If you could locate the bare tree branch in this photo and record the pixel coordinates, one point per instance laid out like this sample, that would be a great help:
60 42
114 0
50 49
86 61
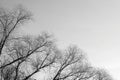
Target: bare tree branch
10 22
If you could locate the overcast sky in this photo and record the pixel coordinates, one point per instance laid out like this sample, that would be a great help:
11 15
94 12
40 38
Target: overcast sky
94 25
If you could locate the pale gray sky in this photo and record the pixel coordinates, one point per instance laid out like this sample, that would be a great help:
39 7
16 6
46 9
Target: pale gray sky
94 25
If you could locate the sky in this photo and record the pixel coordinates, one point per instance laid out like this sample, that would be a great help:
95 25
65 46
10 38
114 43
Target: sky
93 25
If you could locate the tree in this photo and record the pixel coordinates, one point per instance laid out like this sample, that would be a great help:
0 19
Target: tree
9 21
72 65
23 57
35 54
101 74
18 53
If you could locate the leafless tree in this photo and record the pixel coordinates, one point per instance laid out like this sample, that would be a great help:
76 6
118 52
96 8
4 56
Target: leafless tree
22 57
102 74
71 65
26 56
9 21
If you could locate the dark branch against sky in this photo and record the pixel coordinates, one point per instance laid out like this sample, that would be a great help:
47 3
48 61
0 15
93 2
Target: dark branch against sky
91 24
